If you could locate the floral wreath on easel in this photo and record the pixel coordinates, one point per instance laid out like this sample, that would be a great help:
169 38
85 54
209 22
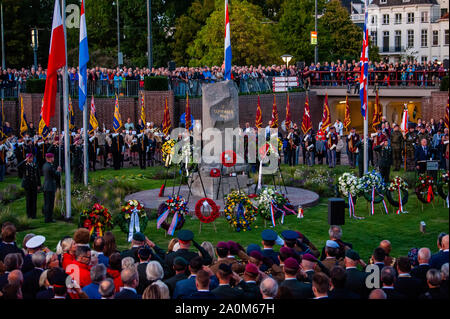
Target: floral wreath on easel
245 213
175 206
424 187
399 187
205 202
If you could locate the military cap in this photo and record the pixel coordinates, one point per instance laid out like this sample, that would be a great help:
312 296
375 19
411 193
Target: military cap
353 255
309 257
289 235
49 155
252 269
287 251
257 255
269 234
291 263
226 268
185 235
138 236
144 253
35 241
223 245
233 245
180 261
29 155
253 247
332 244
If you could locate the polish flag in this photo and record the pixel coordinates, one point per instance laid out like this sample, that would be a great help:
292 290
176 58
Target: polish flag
56 60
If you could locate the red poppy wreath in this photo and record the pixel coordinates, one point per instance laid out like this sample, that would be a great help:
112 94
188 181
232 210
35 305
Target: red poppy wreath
214 210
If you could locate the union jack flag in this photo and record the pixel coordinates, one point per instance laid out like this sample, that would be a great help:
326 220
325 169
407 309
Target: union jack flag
364 64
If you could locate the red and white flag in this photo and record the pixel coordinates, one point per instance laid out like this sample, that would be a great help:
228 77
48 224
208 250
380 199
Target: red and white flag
56 60
404 124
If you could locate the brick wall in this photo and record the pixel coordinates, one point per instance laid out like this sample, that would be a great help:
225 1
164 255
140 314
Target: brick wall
434 106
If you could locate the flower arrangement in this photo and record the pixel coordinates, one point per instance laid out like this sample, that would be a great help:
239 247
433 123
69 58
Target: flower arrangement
372 180
245 214
205 202
124 217
396 183
399 187
168 151
349 184
97 220
442 186
268 196
176 207
424 188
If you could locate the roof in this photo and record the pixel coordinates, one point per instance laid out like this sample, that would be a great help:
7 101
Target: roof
394 3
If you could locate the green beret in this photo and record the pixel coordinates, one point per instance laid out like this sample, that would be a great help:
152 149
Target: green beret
138 236
185 235
353 255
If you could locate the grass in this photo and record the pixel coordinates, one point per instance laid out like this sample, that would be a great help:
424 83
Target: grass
402 230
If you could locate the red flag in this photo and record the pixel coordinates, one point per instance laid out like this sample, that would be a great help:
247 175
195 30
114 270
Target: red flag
166 122
306 121
274 114
258 121
347 118
377 113
56 60
446 115
287 122
188 113
326 117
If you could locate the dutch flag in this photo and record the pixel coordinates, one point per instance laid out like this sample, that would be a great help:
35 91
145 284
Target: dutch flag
227 73
83 60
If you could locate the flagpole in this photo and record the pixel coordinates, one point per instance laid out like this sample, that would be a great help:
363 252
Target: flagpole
85 144
66 121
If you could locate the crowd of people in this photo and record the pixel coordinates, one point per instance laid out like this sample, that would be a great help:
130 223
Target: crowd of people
285 266
342 73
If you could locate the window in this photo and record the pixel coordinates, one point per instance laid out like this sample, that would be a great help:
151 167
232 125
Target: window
410 17
385 18
446 37
398 18
383 1
424 16
424 38
435 38
398 40
424 59
386 41
374 37
373 19
410 38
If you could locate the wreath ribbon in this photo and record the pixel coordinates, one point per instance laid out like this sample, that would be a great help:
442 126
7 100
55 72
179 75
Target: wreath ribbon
283 213
400 205
162 218
385 207
272 213
430 194
240 212
173 225
134 224
351 207
373 202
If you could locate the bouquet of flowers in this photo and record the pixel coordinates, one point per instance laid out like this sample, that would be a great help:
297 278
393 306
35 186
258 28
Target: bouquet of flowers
263 201
396 183
125 217
349 184
372 180
97 220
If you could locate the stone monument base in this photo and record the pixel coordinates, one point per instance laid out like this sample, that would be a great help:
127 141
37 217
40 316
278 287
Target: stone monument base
211 184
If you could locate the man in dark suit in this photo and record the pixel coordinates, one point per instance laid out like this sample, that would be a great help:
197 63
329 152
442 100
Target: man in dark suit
440 258
186 287
378 257
48 293
249 285
137 243
144 257
185 238
388 277
320 285
51 175
338 281
269 237
299 290
406 284
225 291
31 182
422 153
130 279
179 266
30 285
356 279
202 284
8 244
420 271
11 262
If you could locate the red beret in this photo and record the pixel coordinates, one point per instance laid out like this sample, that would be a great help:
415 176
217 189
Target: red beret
291 263
251 268
309 257
257 255
287 251
222 244
49 155
233 245
29 155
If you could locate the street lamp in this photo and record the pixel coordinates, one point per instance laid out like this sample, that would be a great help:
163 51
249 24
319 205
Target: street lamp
119 54
286 58
35 44
149 35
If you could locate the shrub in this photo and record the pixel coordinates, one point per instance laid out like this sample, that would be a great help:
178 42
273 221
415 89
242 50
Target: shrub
21 222
11 193
35 86
156 83
444 83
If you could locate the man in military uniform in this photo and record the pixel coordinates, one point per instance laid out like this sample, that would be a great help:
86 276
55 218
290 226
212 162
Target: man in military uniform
93 150
102 154
309 146
332 140
31 182
3 150
77 161
20 151
423 134
142 143
117 146
378 140
51 175
385 160
352 140
397 144
411 143
269 237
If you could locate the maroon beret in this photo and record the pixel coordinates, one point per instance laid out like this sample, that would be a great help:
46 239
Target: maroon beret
29 155
222 244
287 251
257 255
309 257
252 269
291 263
49 155
233 245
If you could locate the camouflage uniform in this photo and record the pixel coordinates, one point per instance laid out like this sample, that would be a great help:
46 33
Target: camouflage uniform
410 140
397 149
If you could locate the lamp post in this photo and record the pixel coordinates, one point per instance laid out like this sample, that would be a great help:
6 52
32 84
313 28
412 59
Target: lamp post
119 54
149 35
35 45
286 58
3 40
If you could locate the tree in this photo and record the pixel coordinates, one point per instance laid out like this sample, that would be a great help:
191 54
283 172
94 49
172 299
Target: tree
338 36
252 41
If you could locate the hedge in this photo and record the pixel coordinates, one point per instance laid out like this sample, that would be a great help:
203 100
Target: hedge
35 86
444 83
156 83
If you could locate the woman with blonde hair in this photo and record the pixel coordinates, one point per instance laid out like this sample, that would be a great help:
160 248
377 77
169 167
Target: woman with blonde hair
208 246
173 245
157 290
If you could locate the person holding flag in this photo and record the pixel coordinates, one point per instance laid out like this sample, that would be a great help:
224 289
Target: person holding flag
288 122
23 119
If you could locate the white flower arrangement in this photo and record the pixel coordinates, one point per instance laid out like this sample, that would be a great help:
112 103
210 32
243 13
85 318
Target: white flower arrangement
349 184
396 182
372 180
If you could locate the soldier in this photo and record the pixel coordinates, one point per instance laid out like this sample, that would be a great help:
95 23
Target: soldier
397 144
101 139
51 176
77 160
332 140
352 140
378 139
309 145
93 150
117 146
3 150
31 182
385 159
20 151
410 140
142 143
423 134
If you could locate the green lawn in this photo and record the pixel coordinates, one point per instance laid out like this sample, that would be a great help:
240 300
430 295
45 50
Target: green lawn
402 230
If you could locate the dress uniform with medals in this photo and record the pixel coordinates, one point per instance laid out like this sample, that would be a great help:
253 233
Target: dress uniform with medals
385 160
397 144
30 182
410 140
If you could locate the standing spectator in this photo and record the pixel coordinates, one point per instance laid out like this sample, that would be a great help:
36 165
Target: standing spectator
106 289
440 258
268 288
406 284
98 274
388 278
434 286
130 281
420 271
320 285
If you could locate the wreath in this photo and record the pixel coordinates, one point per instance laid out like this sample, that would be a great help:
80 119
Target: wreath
168 151
177 207
97 220
348 184
397 185
424 188
205 202
443 185
280 202
215 172
228 158
371 183
125 216
245 214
